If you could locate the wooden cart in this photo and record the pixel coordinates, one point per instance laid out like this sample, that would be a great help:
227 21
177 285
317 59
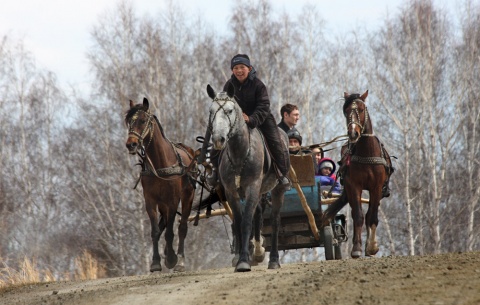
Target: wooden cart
299 223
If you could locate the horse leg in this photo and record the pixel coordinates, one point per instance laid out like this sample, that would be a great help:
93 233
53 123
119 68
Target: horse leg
187 200
170 256
371 223
252 199
277 202
357 216
155 234
257 241
236 245
234 202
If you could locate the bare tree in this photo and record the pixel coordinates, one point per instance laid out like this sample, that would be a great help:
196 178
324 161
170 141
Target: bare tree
465 79
411 64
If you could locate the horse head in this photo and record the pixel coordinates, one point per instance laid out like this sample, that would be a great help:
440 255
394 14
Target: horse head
139 121
224 116
356 113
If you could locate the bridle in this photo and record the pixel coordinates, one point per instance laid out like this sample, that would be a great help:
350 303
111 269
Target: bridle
221 107
232 125
354 117
147 130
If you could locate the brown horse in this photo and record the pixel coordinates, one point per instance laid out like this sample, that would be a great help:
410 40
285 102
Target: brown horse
365 165
166 177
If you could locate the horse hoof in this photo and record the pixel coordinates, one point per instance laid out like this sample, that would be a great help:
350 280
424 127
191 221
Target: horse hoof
171 262
259 258
179 268
243 267
273 265
356 254
155 267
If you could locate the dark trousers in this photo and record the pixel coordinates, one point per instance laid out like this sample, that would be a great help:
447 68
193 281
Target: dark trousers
275 145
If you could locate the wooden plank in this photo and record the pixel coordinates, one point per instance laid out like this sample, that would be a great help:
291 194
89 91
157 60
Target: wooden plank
304 168
217 212
335 196
303 200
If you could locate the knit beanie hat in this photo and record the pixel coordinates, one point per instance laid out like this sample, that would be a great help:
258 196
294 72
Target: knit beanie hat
327 163
294 134
240 59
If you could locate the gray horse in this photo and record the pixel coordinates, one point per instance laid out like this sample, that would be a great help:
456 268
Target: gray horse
246 172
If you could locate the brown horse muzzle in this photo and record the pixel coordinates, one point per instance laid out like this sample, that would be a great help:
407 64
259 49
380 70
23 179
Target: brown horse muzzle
132 145
354 134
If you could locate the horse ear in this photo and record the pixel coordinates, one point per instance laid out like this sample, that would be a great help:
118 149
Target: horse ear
345 95
211 92
364 96
132 104
230 89
145 103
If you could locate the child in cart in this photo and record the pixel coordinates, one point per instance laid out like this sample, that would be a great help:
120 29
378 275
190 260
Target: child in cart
326 174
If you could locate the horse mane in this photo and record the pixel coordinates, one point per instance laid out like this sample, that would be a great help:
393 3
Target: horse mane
130 112
350 100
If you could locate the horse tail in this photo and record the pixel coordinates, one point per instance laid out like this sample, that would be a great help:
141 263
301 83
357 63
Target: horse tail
334 208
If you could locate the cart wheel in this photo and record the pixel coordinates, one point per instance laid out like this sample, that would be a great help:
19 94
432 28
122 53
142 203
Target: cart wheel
338 252
328 243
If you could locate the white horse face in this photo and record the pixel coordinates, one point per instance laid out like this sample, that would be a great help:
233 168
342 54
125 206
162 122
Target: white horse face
223 118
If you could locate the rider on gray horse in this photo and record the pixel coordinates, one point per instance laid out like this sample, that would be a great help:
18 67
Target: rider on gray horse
252 97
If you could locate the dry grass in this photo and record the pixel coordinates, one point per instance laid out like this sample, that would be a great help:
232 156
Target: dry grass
87 267
28 272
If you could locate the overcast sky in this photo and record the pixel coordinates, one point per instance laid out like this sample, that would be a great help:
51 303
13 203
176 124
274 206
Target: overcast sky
57 31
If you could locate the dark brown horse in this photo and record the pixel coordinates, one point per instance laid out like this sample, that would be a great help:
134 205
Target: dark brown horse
365 165
166 177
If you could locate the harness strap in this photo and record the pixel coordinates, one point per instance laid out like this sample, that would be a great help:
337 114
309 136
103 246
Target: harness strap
369 160
178 168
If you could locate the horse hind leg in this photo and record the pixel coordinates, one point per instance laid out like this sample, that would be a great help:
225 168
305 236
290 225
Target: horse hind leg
371 246
258 251
371 223
187 201
277 203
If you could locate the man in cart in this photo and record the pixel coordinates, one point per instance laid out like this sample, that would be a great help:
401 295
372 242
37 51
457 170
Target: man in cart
290 116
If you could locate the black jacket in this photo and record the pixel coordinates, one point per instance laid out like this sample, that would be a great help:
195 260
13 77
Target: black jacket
252 97
284 126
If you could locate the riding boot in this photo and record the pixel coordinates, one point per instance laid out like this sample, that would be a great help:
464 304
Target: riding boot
277 149
283 179
281 160
386 189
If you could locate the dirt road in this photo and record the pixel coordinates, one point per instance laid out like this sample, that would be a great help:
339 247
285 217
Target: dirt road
440 279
